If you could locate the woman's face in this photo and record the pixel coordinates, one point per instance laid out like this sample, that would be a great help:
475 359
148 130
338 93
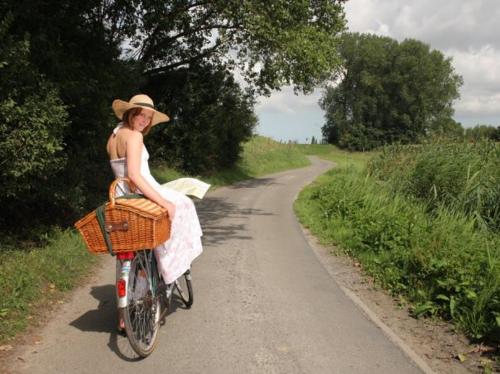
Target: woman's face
142 120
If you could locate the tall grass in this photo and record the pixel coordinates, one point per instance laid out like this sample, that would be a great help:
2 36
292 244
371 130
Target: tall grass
29 278
420 221
461 177
441 263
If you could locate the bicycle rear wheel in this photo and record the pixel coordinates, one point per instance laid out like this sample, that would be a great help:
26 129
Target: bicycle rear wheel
142 313
184 288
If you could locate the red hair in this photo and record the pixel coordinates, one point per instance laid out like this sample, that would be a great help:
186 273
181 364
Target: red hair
129 115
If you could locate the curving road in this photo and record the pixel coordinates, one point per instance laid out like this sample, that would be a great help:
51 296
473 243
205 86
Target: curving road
263 303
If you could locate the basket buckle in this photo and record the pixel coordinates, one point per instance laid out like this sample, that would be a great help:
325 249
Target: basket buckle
117 226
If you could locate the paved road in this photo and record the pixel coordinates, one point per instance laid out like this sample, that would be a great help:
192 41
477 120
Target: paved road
263 303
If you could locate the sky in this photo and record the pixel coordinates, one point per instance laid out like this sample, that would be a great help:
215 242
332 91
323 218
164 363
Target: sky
468 31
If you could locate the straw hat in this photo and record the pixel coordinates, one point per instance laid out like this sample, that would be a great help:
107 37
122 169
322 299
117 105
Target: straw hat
139 101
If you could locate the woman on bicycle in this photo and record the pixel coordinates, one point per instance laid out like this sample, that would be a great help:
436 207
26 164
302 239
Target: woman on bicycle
129 158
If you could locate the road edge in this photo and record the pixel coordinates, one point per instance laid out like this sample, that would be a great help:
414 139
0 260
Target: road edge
321 252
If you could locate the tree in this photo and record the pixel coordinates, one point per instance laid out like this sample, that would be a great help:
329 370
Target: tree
32 122
272 43
181 52
447 128
482 132
388 92
71 74
211 115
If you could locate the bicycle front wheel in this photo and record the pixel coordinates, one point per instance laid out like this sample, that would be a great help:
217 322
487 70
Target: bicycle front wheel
142 313
184 288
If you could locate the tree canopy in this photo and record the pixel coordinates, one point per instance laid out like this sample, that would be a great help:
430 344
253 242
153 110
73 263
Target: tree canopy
211 114
271 43
63 62
388 92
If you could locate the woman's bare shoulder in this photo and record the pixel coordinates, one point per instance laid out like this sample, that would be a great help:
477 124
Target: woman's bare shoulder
128 134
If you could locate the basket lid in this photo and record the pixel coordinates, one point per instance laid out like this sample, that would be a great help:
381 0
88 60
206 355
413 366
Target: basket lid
141 206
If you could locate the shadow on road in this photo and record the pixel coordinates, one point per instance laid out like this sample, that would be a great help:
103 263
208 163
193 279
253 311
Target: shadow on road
213 213
252 183
104 319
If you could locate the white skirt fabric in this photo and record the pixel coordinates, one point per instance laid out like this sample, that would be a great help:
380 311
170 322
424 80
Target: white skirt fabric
175 255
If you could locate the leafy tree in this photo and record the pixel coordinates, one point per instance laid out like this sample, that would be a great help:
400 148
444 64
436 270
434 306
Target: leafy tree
32 122
80 55
56 91
481 132
388 92
447 127
272 43
211 115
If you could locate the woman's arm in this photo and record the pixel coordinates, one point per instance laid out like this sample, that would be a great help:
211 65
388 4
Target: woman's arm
134 150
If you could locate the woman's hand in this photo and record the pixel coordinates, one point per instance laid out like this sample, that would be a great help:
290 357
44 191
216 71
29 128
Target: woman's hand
170 208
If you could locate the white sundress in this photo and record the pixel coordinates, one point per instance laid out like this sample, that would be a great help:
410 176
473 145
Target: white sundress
175 255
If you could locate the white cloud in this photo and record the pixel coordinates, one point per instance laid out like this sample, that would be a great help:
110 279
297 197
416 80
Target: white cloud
285 101
479 106
480 69
443 24
467 31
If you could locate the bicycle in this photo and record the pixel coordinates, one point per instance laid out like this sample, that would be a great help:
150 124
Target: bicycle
144 298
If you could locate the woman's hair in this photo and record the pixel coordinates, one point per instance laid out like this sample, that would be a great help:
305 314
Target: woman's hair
129 115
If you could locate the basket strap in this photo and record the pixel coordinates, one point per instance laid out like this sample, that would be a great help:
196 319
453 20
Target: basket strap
101 218
131 196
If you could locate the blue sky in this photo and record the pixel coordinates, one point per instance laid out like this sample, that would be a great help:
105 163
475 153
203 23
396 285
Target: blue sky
465 30
286 116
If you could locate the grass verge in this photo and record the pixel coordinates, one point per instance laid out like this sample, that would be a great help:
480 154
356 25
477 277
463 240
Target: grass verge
439 261
343 159
261 156
29 278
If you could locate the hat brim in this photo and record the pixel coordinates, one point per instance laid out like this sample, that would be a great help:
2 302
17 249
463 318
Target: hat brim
120 107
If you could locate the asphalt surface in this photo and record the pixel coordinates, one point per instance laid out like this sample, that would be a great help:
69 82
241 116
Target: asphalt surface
263 303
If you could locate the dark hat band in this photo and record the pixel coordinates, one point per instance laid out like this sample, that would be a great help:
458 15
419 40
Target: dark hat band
145 104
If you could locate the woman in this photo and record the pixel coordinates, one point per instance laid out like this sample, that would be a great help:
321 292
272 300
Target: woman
129 158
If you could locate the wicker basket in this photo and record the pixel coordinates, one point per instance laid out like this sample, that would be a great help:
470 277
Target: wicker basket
131 223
